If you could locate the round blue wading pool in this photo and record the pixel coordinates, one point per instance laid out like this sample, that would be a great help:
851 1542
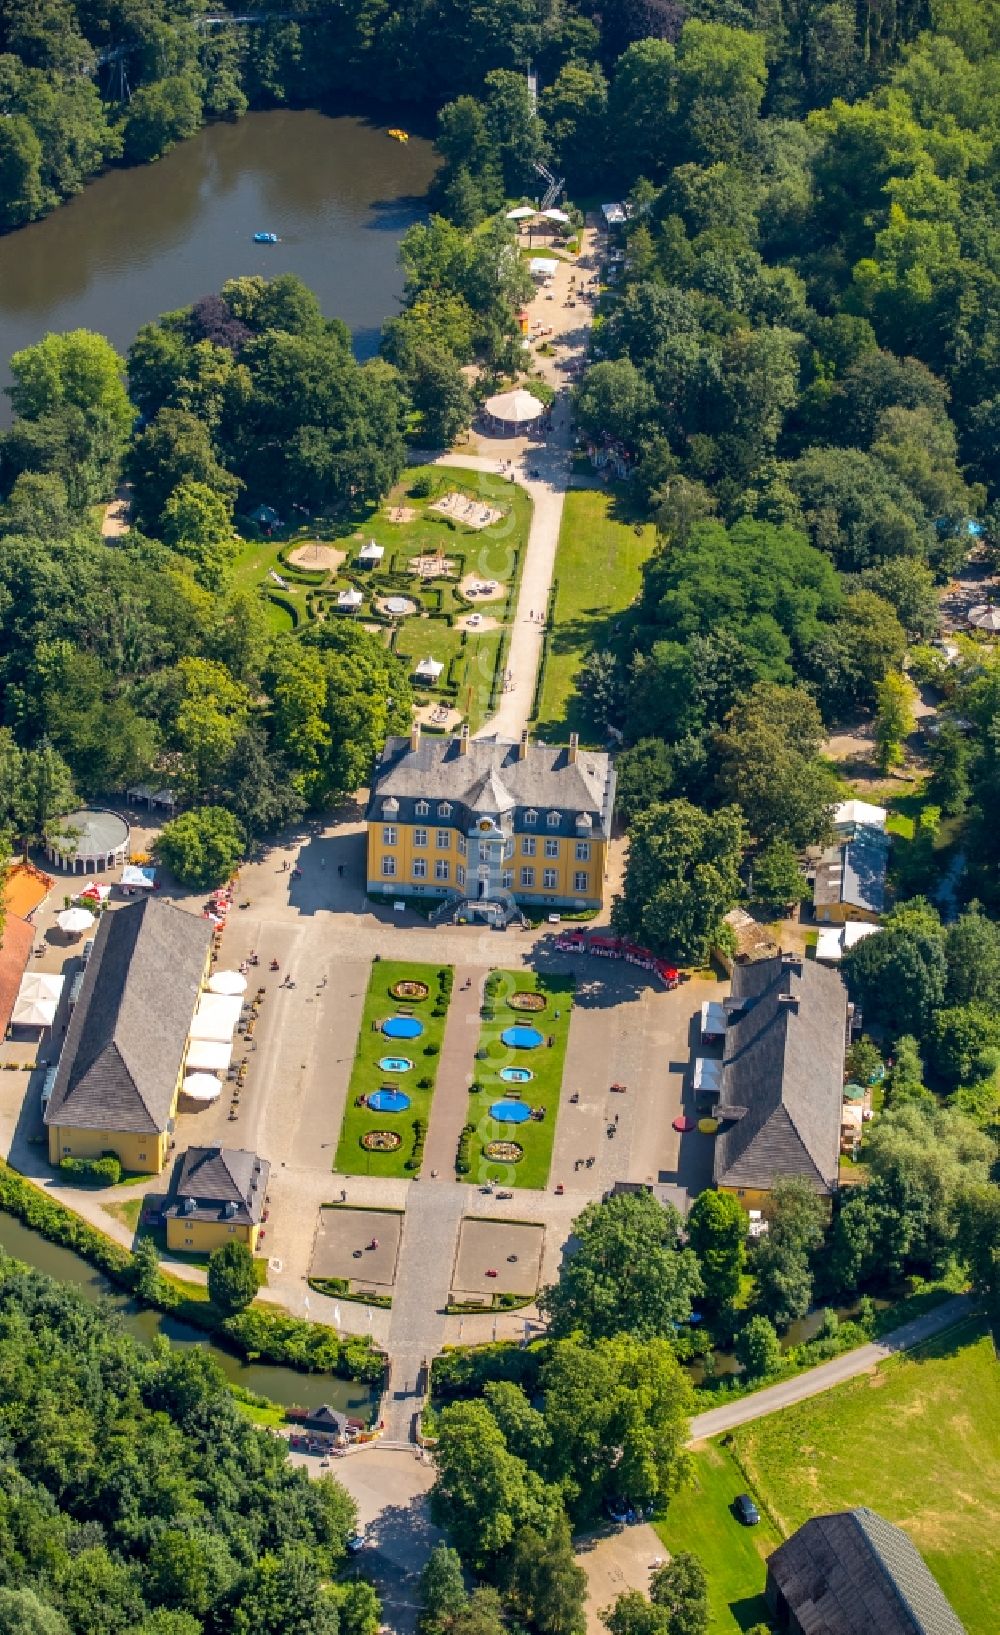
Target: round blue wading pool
388 1101
516 1075
510 1112
395 1064
402 1027
521 1037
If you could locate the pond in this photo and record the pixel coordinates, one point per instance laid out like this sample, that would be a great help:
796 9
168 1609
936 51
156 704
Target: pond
137 242
283 1385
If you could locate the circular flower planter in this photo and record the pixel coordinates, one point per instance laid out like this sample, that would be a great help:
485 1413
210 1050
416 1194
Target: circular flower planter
408 989
381 1141
511 1152
526 1001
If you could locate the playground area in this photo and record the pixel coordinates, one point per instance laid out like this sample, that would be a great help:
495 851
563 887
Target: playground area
470 512
357 1246
497 1257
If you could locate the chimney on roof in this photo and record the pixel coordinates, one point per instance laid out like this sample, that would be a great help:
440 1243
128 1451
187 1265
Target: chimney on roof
574 746
522 748
789 999
463 739
415 736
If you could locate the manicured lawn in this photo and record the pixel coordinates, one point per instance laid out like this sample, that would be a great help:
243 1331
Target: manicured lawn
919 1441
366 1076
545 1063
599 574
699 1519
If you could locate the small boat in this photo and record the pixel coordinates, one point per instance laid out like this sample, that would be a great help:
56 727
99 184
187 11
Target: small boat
266 238
398 135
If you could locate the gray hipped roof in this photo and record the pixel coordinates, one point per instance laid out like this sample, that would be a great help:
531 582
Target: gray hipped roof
854 871
784 1062
126 1039
854 1573
219 1183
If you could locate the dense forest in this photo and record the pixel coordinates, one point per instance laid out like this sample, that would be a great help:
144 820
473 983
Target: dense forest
137 1500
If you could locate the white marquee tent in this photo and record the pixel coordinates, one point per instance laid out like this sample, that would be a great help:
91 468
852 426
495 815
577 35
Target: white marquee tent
209 1055
37 1000
216 1016
511 410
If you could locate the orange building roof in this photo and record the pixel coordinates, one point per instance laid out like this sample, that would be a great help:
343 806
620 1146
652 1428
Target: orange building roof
15 948
25 888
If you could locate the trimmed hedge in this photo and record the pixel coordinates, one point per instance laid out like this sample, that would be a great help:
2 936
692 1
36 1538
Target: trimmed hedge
19 1198
102 1172
462 1371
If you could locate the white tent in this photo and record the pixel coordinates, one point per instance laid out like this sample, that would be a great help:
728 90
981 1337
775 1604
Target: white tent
614 215
209 1055
37 1000
216 1017
227 982
202 1087
713 1019
371 553
985 617
707 1075
518 408
522 213
851 812
75 921
543 266
428 669
555 215
350 598
829 945
135 878
95 890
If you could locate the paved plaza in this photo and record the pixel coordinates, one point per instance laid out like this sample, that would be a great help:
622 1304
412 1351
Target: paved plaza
512 1250
361 1245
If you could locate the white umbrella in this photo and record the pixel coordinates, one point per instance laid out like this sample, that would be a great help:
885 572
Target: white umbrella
75 920
231 982
985 617
522 213
555 215
202 1086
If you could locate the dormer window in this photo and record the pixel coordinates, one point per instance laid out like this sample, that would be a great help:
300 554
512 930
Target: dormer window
444 809
530 818
421 808
553 820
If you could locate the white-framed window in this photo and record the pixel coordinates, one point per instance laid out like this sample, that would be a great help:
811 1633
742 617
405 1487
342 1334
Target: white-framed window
442 869
484 852
388 834
507 879
527 877
528 844
188 1242
553 820
420 868
230 1230
581 880
552 848
530 817
460 875
463 845
444 808
443 840
583 851
420 837
508 849
421 809
550 879
388 866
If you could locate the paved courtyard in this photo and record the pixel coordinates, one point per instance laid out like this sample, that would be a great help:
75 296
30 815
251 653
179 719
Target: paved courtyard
511 1249
344 1246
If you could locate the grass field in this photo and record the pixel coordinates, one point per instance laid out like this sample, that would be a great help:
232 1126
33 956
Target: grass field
546 1064
699 1519
919 1441
599 573
351 1158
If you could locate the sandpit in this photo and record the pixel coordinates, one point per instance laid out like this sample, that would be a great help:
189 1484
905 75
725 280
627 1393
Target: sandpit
402 513
470 513
314 555
477 623
476 589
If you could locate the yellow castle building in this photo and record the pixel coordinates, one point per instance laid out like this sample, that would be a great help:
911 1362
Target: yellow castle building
492 825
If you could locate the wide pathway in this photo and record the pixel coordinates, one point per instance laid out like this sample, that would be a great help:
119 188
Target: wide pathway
450 1106
423 1282
846 1367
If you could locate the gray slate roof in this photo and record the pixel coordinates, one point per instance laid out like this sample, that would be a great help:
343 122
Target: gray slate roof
854 871
784 1062
127 1035
854 1573
490 778
219 1183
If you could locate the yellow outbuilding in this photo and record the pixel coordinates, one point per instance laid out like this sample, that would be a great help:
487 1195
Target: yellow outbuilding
217 1195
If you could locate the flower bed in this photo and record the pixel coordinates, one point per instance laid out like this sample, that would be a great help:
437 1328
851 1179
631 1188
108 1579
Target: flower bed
527 1001
408 989
381 1140
507 1152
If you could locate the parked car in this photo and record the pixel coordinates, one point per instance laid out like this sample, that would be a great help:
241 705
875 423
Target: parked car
356 1542
617 1509
746 1511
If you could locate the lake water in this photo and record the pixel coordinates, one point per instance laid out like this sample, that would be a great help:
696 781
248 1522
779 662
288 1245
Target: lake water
285 1385
338 192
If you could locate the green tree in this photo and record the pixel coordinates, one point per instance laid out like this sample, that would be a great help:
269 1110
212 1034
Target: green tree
22 1613
778 880
796 1219
949 757
615 400
175 448
680 1587
632 1614
198 523
284 1595
232 1278
769 765
717 1232
979 1240
159 116
681 878
442 1590
758 1348
894 720
21 192
483 1494
544 1583
899 976
628 1272
209 717
202 847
